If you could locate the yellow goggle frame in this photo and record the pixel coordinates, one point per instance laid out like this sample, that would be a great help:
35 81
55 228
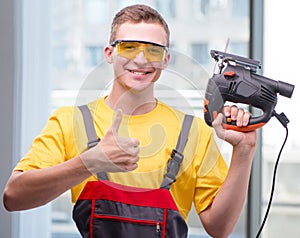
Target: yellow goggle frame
130 49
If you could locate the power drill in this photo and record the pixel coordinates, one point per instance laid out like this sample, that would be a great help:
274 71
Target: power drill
238 82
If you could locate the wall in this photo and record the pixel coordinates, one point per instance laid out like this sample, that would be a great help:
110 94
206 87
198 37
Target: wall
9 87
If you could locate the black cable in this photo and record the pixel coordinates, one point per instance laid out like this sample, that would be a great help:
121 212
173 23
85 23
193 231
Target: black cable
284 121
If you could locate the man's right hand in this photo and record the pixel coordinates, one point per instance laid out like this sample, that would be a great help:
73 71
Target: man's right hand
113 153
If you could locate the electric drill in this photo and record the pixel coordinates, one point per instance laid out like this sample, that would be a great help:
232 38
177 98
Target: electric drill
238 82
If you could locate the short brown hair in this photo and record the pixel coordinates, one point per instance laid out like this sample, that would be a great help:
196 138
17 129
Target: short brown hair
136 14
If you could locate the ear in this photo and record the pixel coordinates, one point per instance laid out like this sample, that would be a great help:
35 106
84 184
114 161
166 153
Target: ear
166 60
108 53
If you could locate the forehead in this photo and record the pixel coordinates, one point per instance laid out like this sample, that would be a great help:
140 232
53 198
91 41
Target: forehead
142 31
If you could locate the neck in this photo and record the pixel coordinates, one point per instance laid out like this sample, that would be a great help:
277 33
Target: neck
132 102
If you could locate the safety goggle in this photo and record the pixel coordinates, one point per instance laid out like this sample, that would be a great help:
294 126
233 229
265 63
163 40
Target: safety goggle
130 49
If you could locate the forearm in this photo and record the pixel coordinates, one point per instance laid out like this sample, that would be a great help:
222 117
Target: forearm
221 217
34 188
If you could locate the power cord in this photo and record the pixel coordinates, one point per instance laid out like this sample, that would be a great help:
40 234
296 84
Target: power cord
284 121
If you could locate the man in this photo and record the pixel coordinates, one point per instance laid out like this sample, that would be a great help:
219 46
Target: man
137 134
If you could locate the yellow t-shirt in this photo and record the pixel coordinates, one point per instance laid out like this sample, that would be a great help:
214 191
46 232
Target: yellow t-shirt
201 174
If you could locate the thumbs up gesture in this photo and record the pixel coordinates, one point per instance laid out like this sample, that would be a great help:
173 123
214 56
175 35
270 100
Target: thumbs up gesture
113 153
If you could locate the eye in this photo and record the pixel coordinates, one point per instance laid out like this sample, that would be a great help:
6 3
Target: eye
155 50
129 46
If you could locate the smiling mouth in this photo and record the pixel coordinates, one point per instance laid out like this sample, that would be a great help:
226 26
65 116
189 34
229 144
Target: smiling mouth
139 72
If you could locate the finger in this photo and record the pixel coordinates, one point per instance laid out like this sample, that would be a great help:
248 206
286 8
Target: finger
234 112
133 142
226 111
133 150
129 145
128 142
117 122
130 167
131 163
240 117
246 118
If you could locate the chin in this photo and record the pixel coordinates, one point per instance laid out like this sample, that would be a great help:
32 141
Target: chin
139 87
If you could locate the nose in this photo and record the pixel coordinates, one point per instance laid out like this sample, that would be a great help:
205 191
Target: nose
140 58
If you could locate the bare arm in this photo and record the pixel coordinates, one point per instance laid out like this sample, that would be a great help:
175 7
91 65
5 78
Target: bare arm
34 188
221 217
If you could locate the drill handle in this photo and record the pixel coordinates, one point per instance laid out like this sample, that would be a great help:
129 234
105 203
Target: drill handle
229 124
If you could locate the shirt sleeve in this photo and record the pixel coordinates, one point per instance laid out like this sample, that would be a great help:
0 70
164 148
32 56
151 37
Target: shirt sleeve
48 148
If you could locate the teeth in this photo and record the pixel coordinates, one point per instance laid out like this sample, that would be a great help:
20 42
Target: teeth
138 73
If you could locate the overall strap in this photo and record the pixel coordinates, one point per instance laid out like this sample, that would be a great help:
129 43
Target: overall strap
91 133
177 154
89 126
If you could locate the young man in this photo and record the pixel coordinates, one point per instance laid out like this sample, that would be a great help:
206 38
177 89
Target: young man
137 135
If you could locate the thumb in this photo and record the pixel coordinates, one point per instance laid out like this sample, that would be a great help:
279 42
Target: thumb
217 125
117 122
218 120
